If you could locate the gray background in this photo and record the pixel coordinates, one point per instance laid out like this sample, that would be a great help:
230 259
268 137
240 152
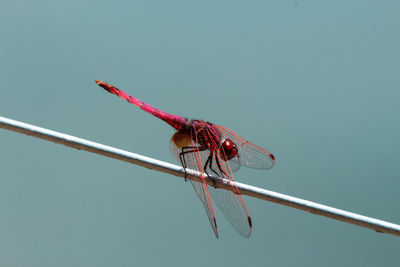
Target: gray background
315 82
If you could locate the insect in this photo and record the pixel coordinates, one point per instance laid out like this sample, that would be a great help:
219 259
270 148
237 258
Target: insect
212 149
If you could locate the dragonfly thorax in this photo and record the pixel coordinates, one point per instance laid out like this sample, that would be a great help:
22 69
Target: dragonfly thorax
207 135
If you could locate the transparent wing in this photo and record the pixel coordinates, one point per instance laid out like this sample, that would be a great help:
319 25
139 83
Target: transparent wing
250 155
230 203
195 159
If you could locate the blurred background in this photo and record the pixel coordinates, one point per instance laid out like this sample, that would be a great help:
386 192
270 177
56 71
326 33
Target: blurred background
315 83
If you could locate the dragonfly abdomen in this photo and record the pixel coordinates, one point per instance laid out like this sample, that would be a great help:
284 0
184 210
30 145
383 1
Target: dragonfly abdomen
175 121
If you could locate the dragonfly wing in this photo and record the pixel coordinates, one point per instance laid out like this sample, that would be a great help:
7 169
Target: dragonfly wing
230 203
235 211
249 155
195 160
235 163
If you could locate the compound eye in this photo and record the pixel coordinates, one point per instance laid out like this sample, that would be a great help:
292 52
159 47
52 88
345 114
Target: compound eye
230 149
228 144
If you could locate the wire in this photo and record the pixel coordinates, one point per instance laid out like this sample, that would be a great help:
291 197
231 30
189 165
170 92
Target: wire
150 163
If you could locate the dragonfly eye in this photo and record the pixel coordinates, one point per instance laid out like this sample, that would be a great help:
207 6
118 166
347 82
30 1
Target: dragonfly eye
230 149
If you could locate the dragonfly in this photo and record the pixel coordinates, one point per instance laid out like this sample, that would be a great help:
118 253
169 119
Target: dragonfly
212 149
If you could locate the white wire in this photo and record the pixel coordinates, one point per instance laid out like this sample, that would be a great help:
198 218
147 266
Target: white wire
150 163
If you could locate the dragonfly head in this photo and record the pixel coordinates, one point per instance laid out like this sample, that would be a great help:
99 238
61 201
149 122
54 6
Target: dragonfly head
230 149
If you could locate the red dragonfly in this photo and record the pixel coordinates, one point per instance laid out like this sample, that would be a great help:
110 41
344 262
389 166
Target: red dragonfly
212 149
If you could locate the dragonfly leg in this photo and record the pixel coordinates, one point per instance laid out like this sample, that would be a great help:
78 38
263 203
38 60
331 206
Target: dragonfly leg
209 162
210 159
219 167
186 150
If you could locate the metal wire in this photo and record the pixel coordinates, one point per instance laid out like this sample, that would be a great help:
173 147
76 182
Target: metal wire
150 163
